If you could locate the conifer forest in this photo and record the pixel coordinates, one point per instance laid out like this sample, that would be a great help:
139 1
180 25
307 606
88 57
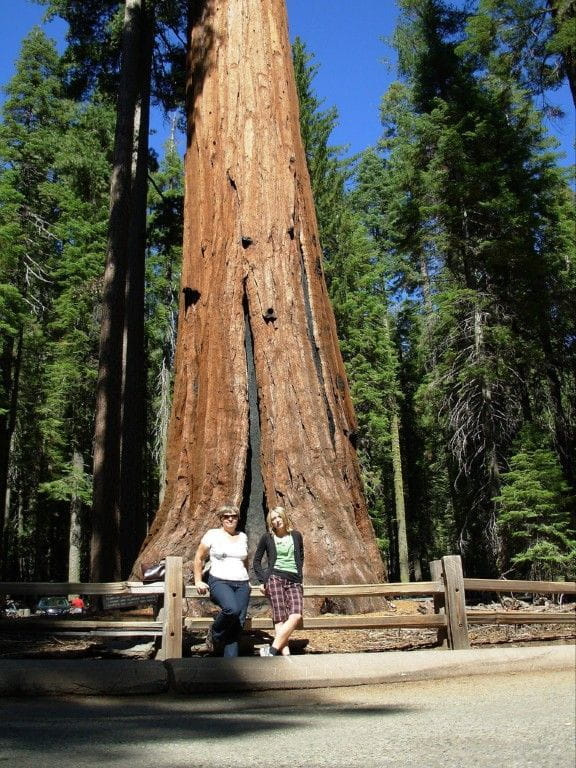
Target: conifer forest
384 343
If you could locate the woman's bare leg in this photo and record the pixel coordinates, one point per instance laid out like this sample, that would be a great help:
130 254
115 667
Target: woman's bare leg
277 630
283 634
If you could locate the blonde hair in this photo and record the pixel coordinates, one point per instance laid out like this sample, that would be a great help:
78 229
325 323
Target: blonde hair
282 512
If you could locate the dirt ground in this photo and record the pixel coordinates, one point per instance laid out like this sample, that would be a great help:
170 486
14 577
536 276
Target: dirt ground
18 644
372 640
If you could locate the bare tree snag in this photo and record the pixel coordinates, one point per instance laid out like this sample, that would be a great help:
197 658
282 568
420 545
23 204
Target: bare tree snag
254 299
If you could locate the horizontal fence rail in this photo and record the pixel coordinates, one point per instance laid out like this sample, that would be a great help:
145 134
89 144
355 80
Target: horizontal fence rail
520 617
81 588
430 621
352 590
517 585
448 589
71 626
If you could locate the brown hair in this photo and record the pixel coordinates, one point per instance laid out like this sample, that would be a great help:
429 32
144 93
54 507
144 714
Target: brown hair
227 509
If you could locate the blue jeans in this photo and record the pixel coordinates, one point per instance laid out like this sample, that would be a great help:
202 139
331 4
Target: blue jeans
232 597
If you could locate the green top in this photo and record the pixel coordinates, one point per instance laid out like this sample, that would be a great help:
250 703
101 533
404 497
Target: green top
285 560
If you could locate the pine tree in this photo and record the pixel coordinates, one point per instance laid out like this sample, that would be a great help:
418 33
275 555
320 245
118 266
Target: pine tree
33 116
81 195
375 196
533 512
356 284
118 526
471 198
535 39
55 159
118 523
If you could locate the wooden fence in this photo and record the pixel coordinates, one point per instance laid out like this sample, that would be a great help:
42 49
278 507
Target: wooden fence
448 589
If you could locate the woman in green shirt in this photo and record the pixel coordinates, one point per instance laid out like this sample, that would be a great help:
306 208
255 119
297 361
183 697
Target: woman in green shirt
281 580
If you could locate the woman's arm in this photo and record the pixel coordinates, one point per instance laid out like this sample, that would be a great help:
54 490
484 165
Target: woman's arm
199 558
299 544
257 561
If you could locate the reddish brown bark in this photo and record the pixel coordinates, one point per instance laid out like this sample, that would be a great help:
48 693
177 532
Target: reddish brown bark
251 243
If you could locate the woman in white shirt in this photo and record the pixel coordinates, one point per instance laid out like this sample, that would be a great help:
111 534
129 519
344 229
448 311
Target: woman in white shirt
228 584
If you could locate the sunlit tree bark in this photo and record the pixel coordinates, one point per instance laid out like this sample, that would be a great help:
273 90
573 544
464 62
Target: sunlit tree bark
254 300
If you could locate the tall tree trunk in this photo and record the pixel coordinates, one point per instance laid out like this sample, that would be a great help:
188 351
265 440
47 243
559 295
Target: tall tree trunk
161 439
75 530
403 558
253 268
10 367
119 299
132 517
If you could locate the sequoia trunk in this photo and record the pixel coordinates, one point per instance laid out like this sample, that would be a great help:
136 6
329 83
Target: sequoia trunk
262 414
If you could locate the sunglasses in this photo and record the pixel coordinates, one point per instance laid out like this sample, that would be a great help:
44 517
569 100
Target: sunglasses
229 517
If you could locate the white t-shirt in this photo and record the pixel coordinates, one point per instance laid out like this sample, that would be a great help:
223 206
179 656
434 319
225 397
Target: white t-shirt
227 555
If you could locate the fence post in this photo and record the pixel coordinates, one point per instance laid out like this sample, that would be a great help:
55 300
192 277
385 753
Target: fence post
173 592
455 597
439 600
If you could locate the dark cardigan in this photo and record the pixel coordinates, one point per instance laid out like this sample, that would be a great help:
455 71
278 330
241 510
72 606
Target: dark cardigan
268 545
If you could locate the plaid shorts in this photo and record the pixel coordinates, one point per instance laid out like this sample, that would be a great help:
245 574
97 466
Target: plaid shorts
286 597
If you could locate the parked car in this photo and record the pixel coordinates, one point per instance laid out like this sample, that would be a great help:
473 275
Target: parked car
53 606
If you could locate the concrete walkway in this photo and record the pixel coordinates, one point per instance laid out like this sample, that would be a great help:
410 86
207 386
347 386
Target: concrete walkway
193 676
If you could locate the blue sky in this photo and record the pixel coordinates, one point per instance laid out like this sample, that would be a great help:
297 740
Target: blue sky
355 64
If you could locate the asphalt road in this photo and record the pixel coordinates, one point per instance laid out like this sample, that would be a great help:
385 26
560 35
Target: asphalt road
489 722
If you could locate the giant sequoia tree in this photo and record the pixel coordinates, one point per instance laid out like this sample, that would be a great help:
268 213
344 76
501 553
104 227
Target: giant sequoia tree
261 413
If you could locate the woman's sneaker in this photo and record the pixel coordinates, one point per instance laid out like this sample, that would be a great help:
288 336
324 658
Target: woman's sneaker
265 651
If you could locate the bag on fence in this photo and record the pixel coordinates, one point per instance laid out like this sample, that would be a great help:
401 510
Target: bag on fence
154 572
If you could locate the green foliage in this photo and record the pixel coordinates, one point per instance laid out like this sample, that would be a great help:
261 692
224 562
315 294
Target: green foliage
449 253
534 40
56 143
357 286
92 54
73 484
468 210
80 191
54 191
162 294
533 512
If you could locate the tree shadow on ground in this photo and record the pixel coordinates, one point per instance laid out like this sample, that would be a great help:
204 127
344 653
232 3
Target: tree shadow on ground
105 730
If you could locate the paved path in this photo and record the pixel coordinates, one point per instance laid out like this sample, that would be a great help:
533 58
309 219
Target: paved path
103 677
512 720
